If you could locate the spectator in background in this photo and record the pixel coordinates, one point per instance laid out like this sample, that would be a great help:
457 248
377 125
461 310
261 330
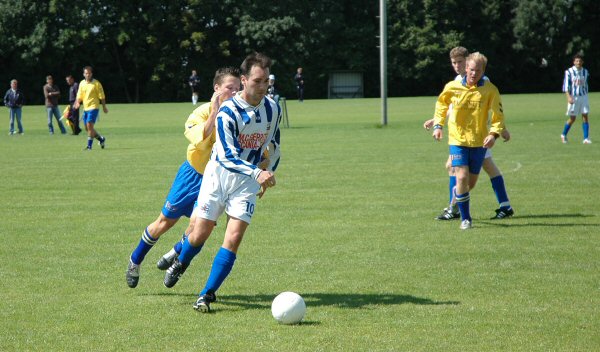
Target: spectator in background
194 82
299 78
14 100
52 93
73 113
271 91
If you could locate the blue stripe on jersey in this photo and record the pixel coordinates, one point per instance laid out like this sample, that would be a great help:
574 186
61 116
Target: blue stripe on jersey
228 152
230 113
268 110
242 113
277 136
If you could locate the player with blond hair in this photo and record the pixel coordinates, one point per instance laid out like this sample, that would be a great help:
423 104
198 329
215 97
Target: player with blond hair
471 99
458 55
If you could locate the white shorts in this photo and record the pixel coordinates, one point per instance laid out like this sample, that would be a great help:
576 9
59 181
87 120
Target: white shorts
225 190
581 105
488 153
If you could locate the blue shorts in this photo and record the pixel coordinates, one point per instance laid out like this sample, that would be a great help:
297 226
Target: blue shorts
468 156
184 192
90 116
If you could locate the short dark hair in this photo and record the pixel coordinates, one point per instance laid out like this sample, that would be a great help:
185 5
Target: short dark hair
89 68
224 72
255 59
459 51
578 56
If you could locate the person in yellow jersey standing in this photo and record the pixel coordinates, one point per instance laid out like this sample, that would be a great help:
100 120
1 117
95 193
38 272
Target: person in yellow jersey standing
472 99
91 95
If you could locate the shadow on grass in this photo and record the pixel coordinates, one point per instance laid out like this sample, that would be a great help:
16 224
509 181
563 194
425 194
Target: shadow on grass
553 216
350 300
331 299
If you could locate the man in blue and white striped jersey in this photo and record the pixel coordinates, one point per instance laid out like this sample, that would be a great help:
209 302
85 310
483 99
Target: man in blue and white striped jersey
247 125
576 88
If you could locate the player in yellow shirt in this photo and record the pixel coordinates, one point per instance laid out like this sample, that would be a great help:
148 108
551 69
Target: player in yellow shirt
91 95
472 99
200 131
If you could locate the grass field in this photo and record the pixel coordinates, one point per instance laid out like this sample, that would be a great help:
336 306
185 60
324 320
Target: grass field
350 227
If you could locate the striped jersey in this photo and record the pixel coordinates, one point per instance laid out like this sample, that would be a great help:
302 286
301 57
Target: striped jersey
244 132
576 81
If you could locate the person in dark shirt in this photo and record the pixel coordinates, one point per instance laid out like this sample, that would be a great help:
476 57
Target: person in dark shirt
52 94
299 78
73 115
194 82
14 100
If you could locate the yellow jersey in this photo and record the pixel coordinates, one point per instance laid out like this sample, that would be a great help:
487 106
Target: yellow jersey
90 93
200 147
468 118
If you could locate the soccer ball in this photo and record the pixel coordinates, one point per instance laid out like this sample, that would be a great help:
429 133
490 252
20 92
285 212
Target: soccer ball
288 308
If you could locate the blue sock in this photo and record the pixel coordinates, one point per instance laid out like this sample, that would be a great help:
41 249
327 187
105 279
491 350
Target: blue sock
90 140
462 200
566 129
188 252
145 245
179 245
500 191
221 267
586 130
451 186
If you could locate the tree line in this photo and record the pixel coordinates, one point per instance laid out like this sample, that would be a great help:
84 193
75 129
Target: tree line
144 50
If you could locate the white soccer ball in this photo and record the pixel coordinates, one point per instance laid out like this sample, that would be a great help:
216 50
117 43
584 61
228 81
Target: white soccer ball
288 308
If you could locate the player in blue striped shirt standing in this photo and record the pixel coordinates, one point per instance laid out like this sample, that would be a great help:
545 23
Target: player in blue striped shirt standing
576 88
246 126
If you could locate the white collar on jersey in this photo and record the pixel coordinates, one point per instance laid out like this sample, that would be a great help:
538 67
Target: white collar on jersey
244 104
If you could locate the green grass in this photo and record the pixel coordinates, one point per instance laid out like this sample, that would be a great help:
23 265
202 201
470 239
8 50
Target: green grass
350 227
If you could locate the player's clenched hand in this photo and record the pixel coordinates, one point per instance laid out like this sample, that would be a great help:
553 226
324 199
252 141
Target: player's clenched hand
266 179
505 135
437 134
428 124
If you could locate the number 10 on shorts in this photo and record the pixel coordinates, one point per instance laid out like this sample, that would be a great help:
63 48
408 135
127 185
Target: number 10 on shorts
250 208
